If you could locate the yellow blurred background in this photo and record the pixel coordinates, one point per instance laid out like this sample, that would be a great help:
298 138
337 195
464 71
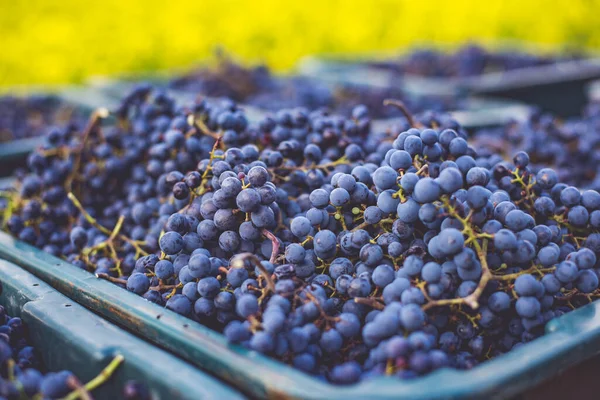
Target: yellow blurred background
68 41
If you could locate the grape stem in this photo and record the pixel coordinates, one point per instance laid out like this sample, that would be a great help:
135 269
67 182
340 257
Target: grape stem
333 164
368 301
112 279
112 234
471 300
239 260
102 377
93 121
402 107
78 388
312 298
275 243
527 188
201 126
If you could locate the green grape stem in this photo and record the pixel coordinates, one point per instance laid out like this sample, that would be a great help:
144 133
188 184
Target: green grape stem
111 234
102 377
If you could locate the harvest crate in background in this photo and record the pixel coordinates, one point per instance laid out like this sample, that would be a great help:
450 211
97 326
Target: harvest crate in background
560 87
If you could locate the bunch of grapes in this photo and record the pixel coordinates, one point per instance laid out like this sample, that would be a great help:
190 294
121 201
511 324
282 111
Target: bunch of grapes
344 251
23 375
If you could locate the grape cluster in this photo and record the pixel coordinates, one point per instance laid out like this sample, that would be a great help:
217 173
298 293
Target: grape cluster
31 116
23 375
344 251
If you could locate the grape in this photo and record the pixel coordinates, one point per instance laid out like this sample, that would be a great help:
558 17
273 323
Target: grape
516 220
450 180
431 272
412 317
346 373
400 159
374 214
499 302
413 265
587 281
319 198
451 240
294 253
180 304
325 244
248 200
339 197
208 287
585 259
258 176
138 283
426 190
570 196
527 285
547 178
578 216
263 217
171 243
383 275
477 197
199 266
385 178
566 272
527 307
409 211
246 305
331 341
409 181
458 147
300 226
359 288
78 237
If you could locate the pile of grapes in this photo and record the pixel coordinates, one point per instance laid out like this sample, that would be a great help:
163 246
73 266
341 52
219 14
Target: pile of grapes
31 116
258 87
467 61
23 375
343 251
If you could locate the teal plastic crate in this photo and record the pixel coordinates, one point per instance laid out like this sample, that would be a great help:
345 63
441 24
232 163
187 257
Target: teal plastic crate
71 337
570 340
561 87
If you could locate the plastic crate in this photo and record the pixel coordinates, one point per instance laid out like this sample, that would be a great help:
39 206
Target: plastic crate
561 87
69 336
570 340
